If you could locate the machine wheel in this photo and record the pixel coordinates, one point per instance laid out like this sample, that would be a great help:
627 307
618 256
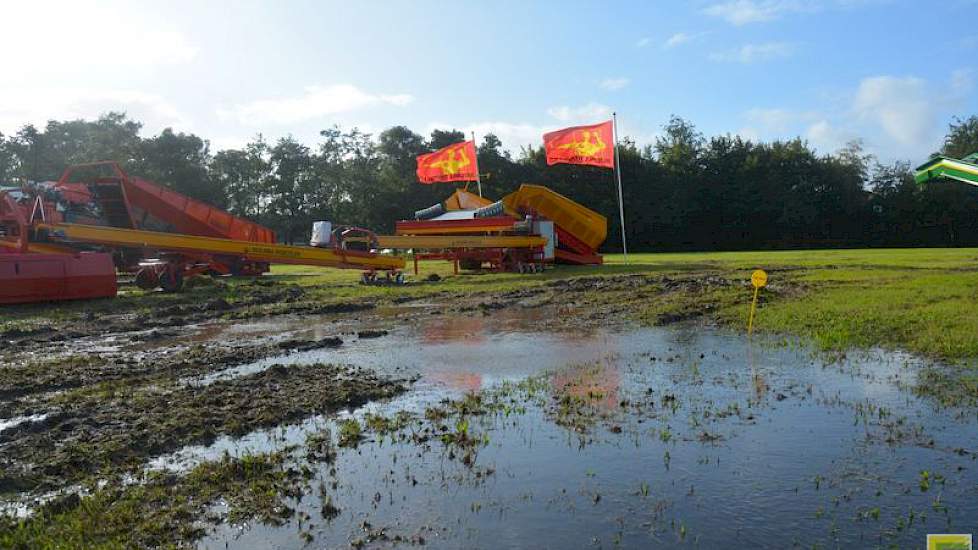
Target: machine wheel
171 280
147 278
469 264
368 278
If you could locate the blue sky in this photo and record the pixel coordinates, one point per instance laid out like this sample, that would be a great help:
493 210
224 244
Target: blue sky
892 73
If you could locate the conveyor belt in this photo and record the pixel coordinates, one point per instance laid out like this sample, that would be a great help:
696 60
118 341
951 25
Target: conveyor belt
259 252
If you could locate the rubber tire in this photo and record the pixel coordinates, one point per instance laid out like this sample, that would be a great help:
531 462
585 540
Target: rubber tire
172 280
147 279
470 265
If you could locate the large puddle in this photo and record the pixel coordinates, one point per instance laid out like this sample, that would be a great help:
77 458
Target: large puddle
704 440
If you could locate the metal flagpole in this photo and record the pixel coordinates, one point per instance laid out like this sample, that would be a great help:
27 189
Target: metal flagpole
478 176
621 206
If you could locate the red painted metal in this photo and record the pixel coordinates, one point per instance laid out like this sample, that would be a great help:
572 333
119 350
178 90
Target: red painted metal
569 241
193 217
476 225
186 215
567 257
42 277
13 223
572 250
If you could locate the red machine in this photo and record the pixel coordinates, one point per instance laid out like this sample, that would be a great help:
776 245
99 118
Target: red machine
65 240
102 194
572 232
32 277
29 273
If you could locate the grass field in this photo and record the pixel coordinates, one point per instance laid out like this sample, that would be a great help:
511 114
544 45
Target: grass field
920 300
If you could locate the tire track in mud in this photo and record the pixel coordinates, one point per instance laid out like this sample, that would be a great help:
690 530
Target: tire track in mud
98 431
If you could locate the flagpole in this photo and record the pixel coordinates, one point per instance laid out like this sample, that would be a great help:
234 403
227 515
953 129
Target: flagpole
478 176
621 206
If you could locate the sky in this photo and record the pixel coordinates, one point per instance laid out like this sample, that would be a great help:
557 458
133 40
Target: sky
891 73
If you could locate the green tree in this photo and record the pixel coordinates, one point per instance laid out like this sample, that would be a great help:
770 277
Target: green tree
180 161
291 187
962 137
242 174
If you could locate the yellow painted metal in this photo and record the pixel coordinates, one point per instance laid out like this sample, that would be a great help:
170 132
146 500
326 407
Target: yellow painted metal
583 223
759 280
38 248
463 200
404 242
259 252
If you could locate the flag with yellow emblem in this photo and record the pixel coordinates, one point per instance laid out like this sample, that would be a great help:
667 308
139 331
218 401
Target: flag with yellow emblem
593 145
457 162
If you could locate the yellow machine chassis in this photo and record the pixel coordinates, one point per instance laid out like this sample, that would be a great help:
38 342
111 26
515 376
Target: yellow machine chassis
259 252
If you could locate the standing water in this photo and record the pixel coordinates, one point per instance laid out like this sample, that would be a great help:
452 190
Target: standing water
680 437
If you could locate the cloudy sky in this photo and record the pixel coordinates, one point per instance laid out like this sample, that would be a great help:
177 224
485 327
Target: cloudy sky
893 73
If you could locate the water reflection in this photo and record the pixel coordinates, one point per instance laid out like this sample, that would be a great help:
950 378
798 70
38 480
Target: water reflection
690 437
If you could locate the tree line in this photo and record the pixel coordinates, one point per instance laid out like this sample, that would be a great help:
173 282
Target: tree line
684 192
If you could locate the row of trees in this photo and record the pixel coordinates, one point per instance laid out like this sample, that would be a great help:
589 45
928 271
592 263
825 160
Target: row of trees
684 192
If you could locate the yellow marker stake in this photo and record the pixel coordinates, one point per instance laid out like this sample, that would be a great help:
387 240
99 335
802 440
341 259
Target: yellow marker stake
759 280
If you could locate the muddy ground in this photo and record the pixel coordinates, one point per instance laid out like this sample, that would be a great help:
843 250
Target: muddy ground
101 393
89 400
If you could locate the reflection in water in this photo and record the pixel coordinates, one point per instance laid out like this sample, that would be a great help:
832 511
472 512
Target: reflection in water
597 384
459 381
685 450
465 329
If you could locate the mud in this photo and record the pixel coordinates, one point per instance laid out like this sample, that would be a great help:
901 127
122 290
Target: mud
208 303
322 420
94 431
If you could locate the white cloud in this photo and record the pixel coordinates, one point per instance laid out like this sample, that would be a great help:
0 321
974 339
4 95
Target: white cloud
584 114
676 40
316 102
827 138
615 83
643 42
515 135
777 121
19 106
898 117
752 53
962 82
85 37
900 106
742 12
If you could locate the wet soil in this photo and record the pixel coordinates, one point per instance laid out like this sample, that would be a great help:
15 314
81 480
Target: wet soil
90 432
499 412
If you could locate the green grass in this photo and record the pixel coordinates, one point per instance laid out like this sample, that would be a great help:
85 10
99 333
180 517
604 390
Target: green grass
921 300
164 511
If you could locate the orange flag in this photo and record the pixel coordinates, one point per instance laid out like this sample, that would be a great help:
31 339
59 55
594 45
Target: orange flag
593 145
457 162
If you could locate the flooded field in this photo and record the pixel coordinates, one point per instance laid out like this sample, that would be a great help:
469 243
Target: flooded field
689 435
514 428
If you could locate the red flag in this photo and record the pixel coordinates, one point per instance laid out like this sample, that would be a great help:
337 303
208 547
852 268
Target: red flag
457 162
593 145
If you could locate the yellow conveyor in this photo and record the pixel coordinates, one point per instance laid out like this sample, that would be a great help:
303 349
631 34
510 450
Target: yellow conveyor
259 252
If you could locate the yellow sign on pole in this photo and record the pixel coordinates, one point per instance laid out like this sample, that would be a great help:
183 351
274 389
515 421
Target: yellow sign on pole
759 280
